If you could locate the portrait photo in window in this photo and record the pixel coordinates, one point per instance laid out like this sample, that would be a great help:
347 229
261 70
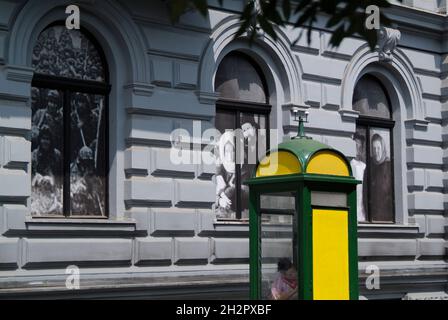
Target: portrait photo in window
373 164
242 118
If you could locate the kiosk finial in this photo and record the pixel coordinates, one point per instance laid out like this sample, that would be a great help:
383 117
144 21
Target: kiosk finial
301 119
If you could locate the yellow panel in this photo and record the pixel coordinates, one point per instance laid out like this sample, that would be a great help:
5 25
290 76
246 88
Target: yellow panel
279 163
327 162
330 255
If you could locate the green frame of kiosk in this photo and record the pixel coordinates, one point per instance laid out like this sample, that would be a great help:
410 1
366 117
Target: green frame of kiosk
303 184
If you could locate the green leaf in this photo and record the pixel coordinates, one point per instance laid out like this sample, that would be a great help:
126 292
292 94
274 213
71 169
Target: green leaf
286 9
267 27
177 8
337 36
201 6
345 17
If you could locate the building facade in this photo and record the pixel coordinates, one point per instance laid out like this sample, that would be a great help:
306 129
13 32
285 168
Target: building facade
121 97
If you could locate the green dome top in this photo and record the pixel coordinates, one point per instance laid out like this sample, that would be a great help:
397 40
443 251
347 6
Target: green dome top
312 157
304 148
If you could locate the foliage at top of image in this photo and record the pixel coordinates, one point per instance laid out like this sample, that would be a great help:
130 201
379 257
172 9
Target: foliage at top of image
345 17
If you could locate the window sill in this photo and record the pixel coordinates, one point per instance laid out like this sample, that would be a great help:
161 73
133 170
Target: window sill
232 225
366 230
81 226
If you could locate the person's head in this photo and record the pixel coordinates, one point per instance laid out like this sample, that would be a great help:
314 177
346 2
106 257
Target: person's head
47 184
360 141
85 158
378 148
35 95
53 100
83 105
45 139
49 46
287 269
37 49
227 151
45 62
248 130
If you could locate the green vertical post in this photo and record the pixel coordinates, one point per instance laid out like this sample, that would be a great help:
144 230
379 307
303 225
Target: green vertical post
254 244
305 244
353 246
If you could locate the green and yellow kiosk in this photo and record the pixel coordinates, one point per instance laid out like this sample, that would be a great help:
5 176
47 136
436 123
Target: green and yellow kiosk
303 208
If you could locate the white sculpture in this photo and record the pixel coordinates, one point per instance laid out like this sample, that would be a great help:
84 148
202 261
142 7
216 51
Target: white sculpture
388 41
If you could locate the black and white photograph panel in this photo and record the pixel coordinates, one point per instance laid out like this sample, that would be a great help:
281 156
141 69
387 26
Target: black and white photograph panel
253 138
87 155
226 178
63 53
237 154
381 177
47 152
359 165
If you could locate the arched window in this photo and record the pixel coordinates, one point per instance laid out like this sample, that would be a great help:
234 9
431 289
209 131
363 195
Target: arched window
374 160
69 125
243 105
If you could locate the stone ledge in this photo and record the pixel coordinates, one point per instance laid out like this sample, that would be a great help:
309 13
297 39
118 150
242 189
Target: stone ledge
376 230
187 287
80 226
394 284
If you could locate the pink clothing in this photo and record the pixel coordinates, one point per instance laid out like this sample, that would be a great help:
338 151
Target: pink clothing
282 286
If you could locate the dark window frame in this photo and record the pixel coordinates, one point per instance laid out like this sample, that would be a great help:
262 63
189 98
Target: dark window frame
68 87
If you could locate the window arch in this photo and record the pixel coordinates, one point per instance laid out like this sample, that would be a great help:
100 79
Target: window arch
374 157
69 125
242 117
239 78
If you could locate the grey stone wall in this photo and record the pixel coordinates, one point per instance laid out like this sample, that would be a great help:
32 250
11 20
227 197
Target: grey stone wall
161 220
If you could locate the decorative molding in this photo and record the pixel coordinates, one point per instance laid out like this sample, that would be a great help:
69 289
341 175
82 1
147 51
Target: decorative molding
417 124
318 78
14 97
336 55
148 203
174 55
366 230
15 200
117 33
169 114
130 142
19 73
349 115
434 97
303 49
430 73
80 226
184 86
388 39
24 133
141 89
399 75
291 106
207 97
163 25
221 42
